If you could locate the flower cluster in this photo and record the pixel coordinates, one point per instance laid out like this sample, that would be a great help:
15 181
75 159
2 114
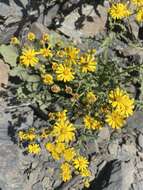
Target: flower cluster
120 11
59 145
67 78
60 63
122 107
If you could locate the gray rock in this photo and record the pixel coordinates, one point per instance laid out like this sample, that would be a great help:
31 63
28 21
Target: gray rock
127 152
52 13
113 148
10 175
136 121
115 175
37 186
7 33
134 26
140 140
104 134
90 25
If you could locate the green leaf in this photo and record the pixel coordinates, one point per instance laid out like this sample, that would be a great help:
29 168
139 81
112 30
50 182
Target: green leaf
33 78
16 71
9 54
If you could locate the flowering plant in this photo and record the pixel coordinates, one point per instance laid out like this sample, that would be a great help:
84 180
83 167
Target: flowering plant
80 92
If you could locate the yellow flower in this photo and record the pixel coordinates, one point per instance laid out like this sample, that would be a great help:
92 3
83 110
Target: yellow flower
31 36
81 163
115 119
34 148
62 115
54 66
139 15
22 135
85 173
91 123
120 100
64 131
51 148
96 125
69 154
86 183
66 172
46 52
72 54
28 57
14 41
104 109
44 134
48 79
61 53
88 120
55 149
88 63
45 37
31 136
91 98
64 73
137 2
119 11
60 147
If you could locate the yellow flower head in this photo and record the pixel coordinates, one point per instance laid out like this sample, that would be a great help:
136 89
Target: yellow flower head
91 123
81 163
85 173
91 98
72 54
52 149
45 37
28 57
48 79
31 136
22 136
66 172
69 154
44 134
64 73
64 131
54 66
46 52
115 119
120 100
137 2
34 148
88 63
61 53
139 16
88 120
62 115
31 36
96 125
60 147
119 11
86 183
14 41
